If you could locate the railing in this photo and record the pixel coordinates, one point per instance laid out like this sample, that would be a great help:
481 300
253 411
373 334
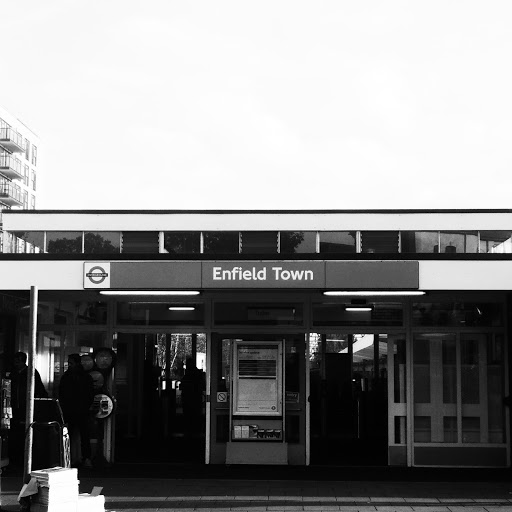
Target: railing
7 189
7 134
8 162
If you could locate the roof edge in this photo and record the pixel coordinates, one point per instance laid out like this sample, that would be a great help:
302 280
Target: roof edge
239 212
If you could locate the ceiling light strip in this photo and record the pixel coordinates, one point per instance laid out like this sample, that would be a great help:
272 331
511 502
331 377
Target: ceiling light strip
367 293
150 292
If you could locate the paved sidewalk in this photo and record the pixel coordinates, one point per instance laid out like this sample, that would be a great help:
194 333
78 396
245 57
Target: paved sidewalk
218 495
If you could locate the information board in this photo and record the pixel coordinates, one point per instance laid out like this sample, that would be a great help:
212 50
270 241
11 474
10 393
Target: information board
257 387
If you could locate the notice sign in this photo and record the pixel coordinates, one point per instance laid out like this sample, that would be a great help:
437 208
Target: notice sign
258 383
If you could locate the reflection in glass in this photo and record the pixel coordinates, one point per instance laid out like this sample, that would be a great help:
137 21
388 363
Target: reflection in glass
259 242
140 242
470 430
470 367
496 388
140 313
382 314
459 242
34 238
102 242
457 314
419 241
63 242
237 313
422 429
182 242
450 429
400 372
221 242
449 370
498 242
337 242
294 242
379 241
421 369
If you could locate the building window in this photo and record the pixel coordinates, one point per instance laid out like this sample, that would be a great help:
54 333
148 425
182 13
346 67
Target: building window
381 314
33 180
34 238
459 398
33 202
457 314
379 242
495 242
419 241
34 155
25 200
101 242
240 313
221 242
27 149
140 242
26 173
182 242
63 242
294 242
338 242
459 242
259 242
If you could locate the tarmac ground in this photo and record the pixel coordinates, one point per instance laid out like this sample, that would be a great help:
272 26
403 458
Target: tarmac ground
130 488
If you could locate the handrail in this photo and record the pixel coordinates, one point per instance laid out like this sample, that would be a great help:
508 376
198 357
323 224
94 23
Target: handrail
6 188
9 134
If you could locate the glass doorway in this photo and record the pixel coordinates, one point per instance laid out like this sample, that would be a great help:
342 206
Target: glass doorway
160 390
348 399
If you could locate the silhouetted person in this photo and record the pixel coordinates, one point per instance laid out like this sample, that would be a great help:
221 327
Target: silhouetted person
76 395
192 386
19 383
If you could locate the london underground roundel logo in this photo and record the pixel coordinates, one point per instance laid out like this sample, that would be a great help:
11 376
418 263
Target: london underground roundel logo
97 274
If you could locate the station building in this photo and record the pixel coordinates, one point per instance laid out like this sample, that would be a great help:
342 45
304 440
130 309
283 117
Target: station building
275 337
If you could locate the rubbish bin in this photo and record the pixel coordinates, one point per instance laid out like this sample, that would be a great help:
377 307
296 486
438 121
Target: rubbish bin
50 445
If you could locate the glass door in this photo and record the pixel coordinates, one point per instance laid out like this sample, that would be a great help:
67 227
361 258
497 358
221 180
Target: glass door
348 399
160 392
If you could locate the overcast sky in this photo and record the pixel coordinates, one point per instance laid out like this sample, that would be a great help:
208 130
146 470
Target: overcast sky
214 104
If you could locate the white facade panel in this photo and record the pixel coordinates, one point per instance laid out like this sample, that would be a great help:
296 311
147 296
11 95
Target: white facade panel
46 275
257 221
465 275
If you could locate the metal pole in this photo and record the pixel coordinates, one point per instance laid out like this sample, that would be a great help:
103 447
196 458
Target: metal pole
29 418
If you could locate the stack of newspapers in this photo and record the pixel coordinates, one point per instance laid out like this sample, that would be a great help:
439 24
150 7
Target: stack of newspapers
57 490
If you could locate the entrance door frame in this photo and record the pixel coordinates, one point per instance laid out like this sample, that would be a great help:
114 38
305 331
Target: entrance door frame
173 330
348 331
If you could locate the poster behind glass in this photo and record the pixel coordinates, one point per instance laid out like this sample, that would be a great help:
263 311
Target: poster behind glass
257 388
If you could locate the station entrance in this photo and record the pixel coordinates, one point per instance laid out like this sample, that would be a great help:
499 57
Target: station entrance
333 399
349 398
160 382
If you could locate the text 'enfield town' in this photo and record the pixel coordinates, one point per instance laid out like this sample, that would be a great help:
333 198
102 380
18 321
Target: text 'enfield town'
253 274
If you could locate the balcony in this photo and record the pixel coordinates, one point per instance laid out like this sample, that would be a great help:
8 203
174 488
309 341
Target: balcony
11 140
10 195
10 167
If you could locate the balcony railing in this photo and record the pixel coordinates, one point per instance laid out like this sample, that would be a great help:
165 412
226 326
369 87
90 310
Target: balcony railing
9 194
11 140
10 167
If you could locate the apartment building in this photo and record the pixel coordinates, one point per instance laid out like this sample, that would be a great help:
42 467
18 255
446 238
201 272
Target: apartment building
19 147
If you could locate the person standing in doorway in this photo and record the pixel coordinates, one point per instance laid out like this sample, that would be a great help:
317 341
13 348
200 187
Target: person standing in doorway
76 395
19 384
192 386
